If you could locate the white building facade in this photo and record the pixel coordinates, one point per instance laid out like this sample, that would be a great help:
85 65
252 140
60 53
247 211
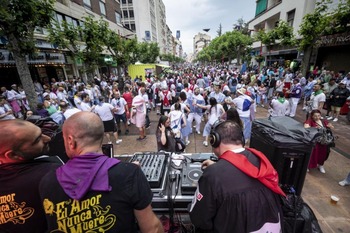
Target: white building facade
267 15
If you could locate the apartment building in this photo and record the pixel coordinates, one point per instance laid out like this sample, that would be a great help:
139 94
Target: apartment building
330 52
147 19
267 15
200 41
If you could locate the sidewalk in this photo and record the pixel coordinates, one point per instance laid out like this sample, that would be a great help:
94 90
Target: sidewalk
317 188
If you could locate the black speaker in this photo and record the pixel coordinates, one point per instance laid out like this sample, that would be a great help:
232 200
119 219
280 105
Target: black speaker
290 164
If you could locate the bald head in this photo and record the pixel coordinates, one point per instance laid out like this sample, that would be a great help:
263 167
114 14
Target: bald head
85 129
21 141
9 133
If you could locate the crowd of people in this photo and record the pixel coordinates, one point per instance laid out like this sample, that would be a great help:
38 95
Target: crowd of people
111 194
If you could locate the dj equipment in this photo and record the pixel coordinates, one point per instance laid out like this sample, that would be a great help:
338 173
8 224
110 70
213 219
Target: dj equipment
189 178
153 165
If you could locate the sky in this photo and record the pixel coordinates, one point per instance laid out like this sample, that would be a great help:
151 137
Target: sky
192 16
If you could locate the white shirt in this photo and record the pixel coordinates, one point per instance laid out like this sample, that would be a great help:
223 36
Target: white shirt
280 109
316 99
4 109
238 102
119 104
104 111
70 112
85 106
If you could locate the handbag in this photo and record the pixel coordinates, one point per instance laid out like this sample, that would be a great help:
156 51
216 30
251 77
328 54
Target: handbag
326 136
180 145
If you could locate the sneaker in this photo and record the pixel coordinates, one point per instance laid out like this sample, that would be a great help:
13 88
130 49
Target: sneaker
199 132
330 118
129 123
187 142
148 126
335 119
321 168
307 170
118 141
326 116
126 132
343 183
304 108
205 143
109 142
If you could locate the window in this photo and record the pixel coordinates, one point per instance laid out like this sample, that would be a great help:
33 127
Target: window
125 14
59 18
131 14
290 17
133 27
261 6
130 1
123 1
118 17
87 3
103 8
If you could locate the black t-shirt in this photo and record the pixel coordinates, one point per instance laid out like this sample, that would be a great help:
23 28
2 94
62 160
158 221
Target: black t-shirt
111 211
20 205
227 200
170 140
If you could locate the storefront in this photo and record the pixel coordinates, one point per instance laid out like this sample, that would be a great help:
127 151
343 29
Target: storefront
43 65
333 52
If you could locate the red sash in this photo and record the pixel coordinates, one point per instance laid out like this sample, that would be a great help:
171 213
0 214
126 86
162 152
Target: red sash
266 174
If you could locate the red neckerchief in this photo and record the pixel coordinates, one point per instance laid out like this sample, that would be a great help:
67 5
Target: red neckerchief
266 174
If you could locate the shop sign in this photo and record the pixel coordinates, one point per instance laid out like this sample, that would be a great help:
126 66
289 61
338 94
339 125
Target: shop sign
334 40
6 57
44 44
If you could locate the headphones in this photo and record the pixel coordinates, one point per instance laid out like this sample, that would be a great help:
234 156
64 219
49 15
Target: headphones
214 136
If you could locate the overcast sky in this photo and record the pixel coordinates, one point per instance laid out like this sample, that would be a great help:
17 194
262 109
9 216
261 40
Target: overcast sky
192 16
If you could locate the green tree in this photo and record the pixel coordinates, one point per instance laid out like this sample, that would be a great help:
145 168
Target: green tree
18 20
66 36
148 52
93 34
124 51
322 21
219 31
280 35
85 42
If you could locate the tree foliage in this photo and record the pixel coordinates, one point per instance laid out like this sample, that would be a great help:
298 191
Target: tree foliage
148 52
219 31
230 45
171 58
324 21
18 20
282 34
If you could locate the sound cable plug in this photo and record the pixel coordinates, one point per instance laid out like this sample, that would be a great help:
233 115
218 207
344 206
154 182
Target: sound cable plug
172 176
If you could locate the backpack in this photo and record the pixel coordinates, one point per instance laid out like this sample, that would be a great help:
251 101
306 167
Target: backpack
246 105
166 102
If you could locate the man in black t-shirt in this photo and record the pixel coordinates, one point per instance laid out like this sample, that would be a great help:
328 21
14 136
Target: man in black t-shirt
92 192
21 170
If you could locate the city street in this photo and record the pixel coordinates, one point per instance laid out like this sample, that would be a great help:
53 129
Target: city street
317 188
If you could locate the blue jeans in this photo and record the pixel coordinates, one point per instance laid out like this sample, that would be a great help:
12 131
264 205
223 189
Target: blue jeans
247 124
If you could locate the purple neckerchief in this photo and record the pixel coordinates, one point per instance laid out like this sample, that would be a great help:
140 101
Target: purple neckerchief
84 173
